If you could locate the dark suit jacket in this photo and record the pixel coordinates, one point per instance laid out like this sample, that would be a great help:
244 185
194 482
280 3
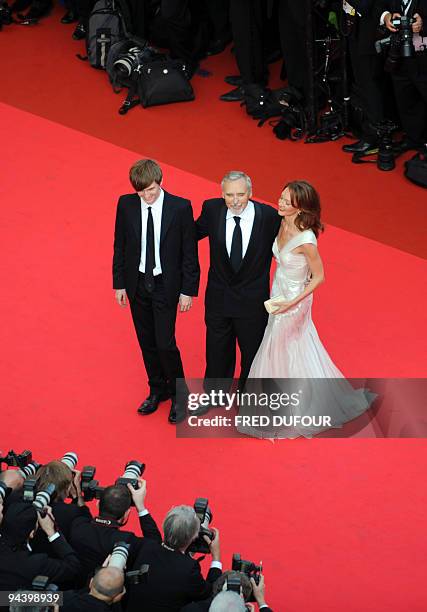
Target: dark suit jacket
203 606
93 542
178 247
242 294
65 515
173 580
82 601
366 28
19 568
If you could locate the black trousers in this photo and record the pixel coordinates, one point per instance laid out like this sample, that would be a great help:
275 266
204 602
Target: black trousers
369 85
222 333
410 86
154 320
247 19
293 36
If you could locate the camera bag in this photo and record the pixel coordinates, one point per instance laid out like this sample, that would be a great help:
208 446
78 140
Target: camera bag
108 23
416 169
164 82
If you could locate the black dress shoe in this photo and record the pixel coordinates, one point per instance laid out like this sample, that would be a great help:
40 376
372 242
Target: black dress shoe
235 95
361 146
80 32
235 79
177 413
200 411
152 402
69 17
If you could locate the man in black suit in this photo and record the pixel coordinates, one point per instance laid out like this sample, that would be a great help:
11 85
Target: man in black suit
410 74
155 264
368 70
241 234
18 565
174 578
93 540
105 589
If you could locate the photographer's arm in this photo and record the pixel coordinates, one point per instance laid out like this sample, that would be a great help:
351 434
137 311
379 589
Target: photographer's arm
148 524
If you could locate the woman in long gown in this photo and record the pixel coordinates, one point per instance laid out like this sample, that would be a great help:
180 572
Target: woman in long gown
291 347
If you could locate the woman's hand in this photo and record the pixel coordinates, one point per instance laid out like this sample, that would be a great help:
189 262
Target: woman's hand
283 307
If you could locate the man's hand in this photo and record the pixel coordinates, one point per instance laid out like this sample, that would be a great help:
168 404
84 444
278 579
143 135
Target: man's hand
76 489
388 19
47 523
121 297
259 590
417 26
138 495
185 302
214 546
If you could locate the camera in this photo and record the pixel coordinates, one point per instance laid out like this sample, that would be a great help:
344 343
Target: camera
42 499
399 44
385 157
119 556
3 492
29 470
246 567
128 62
133 470
90 487
70 460
292 124
41 583
204 514
20 460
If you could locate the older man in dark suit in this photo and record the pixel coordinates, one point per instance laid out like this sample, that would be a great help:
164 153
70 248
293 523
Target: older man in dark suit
155 264
241 234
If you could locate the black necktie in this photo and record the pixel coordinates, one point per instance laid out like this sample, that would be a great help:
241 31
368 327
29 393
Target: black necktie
149 253
236 246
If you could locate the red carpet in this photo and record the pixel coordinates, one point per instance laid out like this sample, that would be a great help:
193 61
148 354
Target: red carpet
41 74
337 523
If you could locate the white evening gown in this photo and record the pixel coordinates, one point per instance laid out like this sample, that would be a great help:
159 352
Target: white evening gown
291 348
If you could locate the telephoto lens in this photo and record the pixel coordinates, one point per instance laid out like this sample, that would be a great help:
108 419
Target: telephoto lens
43 497
3 490
119 556
133 470
70 459
29 470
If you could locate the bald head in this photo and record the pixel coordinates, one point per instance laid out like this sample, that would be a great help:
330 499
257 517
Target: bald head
108 583
12 479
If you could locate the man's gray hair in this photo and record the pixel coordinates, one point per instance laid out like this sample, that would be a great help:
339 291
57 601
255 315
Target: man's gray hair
236 175
227 601
180 527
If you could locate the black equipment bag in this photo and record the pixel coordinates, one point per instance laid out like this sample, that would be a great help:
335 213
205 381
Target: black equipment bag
164 82
416 169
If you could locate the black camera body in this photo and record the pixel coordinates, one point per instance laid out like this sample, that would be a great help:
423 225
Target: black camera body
20 460
41 583
204 514
250 569
385 157
139 576
400 44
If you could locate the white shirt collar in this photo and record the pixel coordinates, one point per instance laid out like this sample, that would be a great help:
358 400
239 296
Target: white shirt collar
243 215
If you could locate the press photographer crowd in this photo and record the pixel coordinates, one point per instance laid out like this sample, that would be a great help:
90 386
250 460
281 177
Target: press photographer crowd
52 545
352 67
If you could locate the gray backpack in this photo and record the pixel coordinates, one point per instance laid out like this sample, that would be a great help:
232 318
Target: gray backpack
106 27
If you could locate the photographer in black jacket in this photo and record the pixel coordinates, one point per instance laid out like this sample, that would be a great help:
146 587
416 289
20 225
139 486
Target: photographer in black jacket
105 589
18 564
94 539
67 485
410 73
361 25
174 577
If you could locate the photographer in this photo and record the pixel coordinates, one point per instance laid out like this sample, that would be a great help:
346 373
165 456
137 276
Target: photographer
368 69
409 74
248 588
67 484
13 481
105 589
94 539
175 578
18 564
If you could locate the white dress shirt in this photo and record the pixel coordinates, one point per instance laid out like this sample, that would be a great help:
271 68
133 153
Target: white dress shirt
156 210
247 221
